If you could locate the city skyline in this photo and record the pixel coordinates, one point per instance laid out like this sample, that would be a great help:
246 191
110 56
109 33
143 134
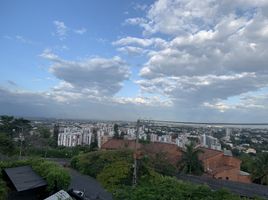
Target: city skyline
123 60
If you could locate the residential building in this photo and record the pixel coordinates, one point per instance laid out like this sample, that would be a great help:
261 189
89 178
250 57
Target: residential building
73 136
217 164
210 142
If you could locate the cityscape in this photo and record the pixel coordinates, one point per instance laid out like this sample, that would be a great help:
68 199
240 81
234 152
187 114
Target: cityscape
134 100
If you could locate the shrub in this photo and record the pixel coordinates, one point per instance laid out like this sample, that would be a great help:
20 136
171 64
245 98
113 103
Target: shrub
115 175
166 188
56 176
93 163
3 190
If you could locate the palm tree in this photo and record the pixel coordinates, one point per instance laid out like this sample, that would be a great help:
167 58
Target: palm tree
190 163
260 169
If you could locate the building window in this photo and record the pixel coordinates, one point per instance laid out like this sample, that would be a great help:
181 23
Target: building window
227 178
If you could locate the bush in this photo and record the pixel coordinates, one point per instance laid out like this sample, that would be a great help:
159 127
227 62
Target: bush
3 190
166 188
113 170
115 175
56 176
93 163
6 145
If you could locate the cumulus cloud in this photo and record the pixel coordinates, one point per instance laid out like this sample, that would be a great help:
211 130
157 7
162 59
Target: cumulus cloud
175 17
61 29
247 102
62 104
133 51
215 50
99 76
142 42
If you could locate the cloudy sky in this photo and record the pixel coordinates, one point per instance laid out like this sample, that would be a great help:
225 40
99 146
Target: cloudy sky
183 60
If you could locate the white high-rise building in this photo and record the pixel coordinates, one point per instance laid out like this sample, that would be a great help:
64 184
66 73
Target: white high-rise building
73 136
153 137
210 142
228 134
181 141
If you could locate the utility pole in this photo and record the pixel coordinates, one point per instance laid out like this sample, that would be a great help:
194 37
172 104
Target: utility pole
136 153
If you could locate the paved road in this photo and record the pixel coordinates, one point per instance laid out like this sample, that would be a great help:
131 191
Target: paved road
93 190
242 189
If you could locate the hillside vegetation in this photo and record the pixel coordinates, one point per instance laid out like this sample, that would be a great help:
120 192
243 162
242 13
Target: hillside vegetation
114 170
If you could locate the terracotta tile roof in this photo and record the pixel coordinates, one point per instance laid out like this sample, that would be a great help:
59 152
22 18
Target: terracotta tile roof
161 147
172 152
208 153
120 144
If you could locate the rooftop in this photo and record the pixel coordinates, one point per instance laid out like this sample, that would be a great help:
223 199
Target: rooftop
24 178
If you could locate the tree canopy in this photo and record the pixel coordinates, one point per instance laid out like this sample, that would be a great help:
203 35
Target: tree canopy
190 162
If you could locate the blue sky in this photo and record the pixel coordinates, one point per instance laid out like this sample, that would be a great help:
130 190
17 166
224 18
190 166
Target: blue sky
28 29
164 59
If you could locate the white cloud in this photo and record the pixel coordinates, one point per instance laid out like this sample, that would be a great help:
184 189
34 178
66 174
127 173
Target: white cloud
145 101
130 50
99 76
215 50
80 31
61 29
246 102
65 104
135 21
48 54
156 42
141 7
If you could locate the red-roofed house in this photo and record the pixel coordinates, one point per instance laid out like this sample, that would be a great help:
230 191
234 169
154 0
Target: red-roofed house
221 166
216 164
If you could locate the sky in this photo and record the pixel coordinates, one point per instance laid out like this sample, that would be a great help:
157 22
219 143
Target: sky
182 60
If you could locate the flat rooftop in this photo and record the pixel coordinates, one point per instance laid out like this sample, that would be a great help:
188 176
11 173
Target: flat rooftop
24 178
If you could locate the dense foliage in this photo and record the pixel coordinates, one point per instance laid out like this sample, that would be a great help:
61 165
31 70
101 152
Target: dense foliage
190 162
257 166
115 175
11 125
113 169
260 169
58 152
94 162
55 175
6 145
158 187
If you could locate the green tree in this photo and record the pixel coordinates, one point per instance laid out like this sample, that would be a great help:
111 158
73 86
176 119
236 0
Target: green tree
116 131
247 162
158 163
6 124
21 122
190 162
115 175
44 132
6 145
94 140
56 131
260 169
